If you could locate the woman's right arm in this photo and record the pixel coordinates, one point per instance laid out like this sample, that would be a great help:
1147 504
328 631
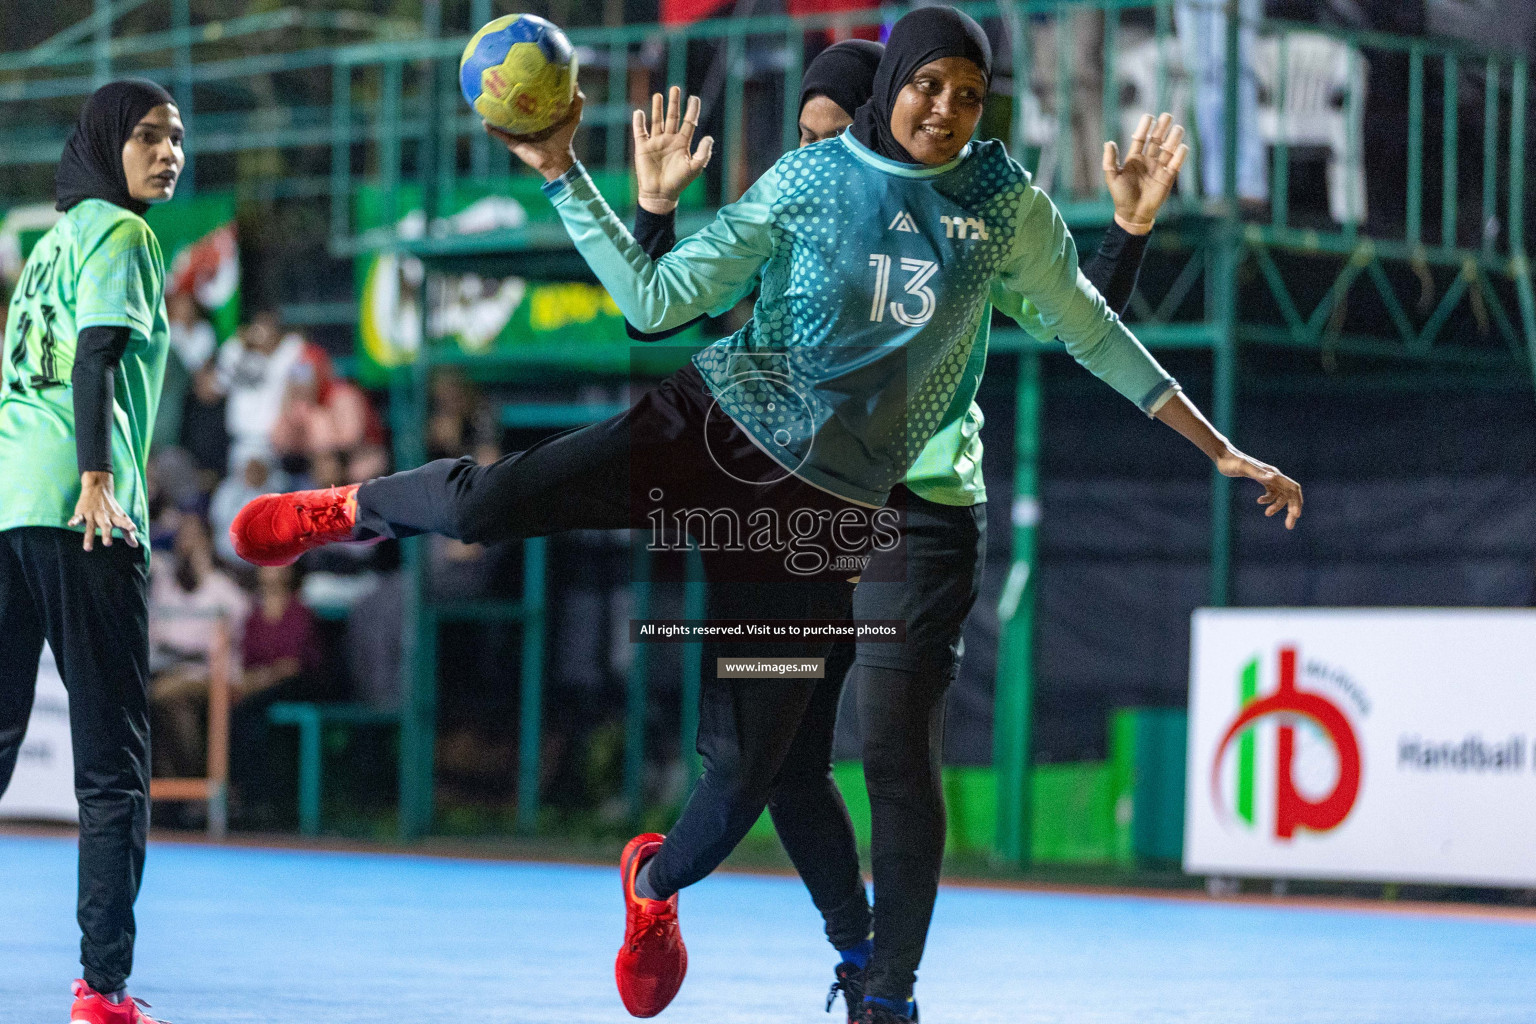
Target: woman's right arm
709 272
666 163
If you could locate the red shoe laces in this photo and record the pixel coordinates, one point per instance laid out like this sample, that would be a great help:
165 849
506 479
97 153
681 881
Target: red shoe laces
656 924
328 518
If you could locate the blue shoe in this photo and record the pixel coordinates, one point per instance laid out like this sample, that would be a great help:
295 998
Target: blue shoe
879 1013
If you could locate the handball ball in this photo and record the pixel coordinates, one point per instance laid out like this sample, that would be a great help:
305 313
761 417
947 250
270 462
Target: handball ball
519 73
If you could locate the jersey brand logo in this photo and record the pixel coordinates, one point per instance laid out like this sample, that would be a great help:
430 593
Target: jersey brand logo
903 222
964 227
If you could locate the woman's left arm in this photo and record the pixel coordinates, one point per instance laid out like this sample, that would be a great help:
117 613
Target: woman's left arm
120 286
1280 491
1043 289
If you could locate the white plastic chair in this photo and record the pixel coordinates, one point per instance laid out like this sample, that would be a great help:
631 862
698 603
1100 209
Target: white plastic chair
1324 92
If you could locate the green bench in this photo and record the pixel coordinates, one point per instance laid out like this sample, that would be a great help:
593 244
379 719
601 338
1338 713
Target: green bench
311 720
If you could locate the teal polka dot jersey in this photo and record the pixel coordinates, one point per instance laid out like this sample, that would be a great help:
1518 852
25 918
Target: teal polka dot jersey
877 280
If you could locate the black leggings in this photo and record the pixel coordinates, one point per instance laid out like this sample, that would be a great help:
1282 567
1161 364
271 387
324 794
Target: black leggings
92 607
671 453
899 691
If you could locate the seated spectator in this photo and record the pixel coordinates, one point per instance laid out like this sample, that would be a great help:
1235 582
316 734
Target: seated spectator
255 478
321 413
192 345
187 595
204 432
281 655
253 373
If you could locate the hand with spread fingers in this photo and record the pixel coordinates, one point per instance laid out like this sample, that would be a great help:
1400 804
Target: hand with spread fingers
666 161
98 511
1141 184
1281 493
550 152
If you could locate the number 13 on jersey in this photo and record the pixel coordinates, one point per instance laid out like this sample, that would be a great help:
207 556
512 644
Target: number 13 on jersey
917 285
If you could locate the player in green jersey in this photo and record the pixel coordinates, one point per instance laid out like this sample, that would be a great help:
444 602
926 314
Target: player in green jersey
80 374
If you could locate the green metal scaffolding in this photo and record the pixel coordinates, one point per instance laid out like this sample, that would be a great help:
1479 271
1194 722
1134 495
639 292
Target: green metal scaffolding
393 112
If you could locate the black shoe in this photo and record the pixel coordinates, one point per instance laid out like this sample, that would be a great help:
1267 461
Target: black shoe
850 981
874 1013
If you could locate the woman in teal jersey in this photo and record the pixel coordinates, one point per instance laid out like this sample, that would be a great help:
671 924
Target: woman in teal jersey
80 374
900 687
779 445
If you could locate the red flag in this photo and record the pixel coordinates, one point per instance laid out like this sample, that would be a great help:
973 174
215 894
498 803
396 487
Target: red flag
680 12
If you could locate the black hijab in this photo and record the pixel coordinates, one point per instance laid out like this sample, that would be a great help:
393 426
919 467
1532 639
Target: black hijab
920 37
92 165
844 73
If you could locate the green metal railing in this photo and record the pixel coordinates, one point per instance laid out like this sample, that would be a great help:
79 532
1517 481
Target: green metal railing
384 113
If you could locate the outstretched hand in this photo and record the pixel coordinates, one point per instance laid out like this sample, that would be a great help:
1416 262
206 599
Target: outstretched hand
665 159
1280 491
1141 184
550 151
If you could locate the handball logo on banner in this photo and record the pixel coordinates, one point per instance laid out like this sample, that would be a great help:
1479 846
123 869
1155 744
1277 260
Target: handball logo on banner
1303 728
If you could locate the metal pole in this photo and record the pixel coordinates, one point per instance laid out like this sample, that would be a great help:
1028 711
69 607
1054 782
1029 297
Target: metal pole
635 693
341 154
616 132
1229 108
1222 290
480 149
181 20
1415 209
1519 259
418 642
732 126
101 43
1449 147
389 145
530 737
1014 690
794 72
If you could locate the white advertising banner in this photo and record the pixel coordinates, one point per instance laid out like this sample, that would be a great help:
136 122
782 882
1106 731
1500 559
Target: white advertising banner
1371 744
43 785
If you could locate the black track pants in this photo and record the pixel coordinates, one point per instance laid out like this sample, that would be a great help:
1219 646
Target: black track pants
92 608
673 452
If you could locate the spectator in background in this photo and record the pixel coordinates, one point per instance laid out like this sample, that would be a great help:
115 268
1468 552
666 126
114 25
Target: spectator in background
321 414
204 435
460 422
187 593
281 653
1202 29
192 345
256 477
253 375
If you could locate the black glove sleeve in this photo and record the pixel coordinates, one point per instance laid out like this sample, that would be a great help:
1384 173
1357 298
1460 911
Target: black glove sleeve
98 350
657 234
1113 269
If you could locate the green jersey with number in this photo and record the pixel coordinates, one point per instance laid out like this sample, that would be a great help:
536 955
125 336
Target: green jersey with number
877 282
99 266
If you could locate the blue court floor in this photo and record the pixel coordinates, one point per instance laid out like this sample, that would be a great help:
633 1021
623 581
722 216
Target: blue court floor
282 937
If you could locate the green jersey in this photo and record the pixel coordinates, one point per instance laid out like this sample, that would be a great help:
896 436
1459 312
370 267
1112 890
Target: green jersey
100 266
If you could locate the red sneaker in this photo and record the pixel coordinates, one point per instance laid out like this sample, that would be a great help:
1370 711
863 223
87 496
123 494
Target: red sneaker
91 1007
653 961
275 529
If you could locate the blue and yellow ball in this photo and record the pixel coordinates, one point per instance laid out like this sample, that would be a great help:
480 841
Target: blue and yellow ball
519 73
